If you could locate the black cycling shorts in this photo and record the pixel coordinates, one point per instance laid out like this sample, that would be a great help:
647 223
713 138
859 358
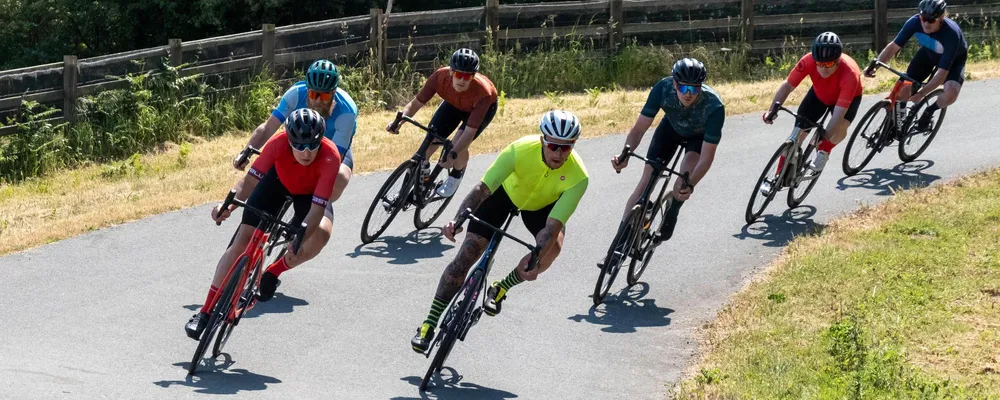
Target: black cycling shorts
922 65
666 140
813 109
495 210
447 118
269 196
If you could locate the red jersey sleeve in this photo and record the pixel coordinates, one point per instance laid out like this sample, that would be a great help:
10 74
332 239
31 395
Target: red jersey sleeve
430 86
268 155
801 70
329 165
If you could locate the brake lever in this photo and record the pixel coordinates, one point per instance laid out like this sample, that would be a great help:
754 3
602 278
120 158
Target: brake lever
299 235
225 205
625 153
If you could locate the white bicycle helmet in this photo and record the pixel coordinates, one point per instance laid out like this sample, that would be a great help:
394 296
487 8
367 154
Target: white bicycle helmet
559 124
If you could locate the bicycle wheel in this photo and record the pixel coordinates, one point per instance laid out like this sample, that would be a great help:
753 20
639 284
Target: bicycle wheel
759 201
621 247
800 189
390 199
454 321
864 141
220 312
431 205
646 248
243 305
913 144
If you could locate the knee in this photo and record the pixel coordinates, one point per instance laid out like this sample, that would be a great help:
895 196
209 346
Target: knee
950 94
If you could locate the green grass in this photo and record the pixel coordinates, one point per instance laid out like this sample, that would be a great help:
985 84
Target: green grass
899 301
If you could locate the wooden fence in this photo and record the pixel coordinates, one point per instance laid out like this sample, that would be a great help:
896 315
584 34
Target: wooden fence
420 37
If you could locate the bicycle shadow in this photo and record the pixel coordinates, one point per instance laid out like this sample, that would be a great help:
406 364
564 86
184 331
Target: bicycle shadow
778 230
217 379
279 304
425 244
626 311
889 181
452 387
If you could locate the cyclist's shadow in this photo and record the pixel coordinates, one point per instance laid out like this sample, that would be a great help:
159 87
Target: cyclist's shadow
428 243
888 181
217 379
626 311
448 385
778 230
279 304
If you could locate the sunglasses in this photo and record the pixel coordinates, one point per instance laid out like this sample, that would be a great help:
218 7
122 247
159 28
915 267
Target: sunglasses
688 89
828 64
463 75
305 146
928 20
558 146
321 96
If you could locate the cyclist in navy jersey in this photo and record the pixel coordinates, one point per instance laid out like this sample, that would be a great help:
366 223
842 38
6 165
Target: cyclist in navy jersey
942 45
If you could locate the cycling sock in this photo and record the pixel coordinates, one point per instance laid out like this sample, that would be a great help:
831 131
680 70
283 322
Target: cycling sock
512 279
210 299
456 173
826 145
667 228
279 267
437 307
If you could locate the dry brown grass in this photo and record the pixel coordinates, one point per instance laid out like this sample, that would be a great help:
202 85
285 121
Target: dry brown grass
71 202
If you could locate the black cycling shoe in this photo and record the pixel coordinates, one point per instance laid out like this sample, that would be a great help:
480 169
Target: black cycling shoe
666 230
925 121
196 325
422 340
493 304
268 284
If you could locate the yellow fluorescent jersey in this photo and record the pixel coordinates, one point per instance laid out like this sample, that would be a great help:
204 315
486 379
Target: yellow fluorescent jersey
532 185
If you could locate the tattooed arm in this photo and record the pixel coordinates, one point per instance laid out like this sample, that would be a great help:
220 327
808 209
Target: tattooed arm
546 238
472 201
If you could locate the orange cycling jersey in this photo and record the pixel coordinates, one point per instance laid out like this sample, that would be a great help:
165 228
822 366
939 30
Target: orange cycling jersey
475 100
839 89
317 178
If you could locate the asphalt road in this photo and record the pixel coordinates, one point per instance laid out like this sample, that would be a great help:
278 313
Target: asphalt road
101 315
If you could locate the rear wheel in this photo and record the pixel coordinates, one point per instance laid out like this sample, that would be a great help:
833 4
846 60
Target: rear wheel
914 143
800 188
431 205
759 201
864 142
621 247
390 199
220 311
453 323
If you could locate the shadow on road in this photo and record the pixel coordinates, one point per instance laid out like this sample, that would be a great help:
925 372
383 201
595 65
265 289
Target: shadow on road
778 230
428 243
626 311
888 181
216 379
279 304
448 385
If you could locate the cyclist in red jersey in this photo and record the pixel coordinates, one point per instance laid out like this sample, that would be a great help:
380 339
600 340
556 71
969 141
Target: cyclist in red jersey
470 103
836 80
300 163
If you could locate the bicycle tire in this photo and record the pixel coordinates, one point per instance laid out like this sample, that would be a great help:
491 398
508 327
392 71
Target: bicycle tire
246 295
625 241
428 203
906 156
793 200
455 322
752 214
646 249
403 193
220 311
873 144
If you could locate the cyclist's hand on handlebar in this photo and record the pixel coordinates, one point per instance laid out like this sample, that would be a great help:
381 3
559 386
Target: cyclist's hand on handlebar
224 216
771 114
392 129
240 158
682 190
619 165
917 97
450 230
870 71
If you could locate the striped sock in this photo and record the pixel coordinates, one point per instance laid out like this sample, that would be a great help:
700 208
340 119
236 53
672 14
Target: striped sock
437 307
511 280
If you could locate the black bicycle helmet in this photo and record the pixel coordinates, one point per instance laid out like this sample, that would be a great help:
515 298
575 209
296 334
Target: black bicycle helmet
932 9
305 126
464 60
689 70
827 47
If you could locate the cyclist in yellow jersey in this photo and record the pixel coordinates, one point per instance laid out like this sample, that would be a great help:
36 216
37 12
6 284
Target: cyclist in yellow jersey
544 178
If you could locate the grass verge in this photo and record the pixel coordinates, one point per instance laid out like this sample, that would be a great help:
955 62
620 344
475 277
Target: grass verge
41 210
899 301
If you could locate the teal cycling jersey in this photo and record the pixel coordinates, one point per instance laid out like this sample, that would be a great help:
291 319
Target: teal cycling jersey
704 118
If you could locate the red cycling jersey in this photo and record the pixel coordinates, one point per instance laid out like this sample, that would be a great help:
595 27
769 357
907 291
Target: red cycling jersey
839 89
317 178
475 100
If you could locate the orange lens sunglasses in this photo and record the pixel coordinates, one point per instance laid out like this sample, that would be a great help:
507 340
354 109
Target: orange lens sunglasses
828 64
321 96
463 75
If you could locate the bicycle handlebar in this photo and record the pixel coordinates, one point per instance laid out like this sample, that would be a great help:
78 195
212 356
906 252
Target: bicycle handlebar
297 233
245 155
812 124
658 164
468 215
916 84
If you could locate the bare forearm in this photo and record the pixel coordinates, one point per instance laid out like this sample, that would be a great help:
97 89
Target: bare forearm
480 193
245 186
412 107
463 139
783 91
546 239
939 77
888 52
638 130
700 170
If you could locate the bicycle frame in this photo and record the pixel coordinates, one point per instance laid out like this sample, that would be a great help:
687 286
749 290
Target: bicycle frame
905 82
431 138
797 137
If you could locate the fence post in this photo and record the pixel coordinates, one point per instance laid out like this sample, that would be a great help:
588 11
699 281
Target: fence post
881 21
267 47
615 24
746 20
175 52
493 22
70 77
376 39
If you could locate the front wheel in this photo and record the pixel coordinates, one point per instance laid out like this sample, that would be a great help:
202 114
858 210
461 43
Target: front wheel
769 179
621 247
864 142
220 312
430 207
913 144
390 199
453 324
645 238
245 302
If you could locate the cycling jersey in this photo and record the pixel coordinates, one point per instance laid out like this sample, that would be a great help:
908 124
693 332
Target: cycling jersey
839 89
945 45
704 118
475 100
532 185
341 125
316 178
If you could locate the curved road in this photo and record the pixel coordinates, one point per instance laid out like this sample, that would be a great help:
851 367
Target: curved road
100 315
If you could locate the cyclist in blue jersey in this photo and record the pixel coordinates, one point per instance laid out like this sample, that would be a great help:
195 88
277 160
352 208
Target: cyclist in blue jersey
319 91
693 119
942 44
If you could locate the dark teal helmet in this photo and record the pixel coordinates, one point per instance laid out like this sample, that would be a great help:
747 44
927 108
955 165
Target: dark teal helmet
322 76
